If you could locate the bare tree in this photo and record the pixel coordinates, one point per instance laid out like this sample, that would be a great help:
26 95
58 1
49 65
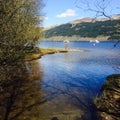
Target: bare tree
99 8
102 8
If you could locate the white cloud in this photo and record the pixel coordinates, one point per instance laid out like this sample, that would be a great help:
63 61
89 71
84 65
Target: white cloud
67 13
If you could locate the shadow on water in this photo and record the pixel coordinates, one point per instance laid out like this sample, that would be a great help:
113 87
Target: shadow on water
77 105
22 98
20 94
64 92
72 93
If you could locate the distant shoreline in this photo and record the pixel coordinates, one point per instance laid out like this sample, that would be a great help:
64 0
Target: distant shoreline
78 38
75 40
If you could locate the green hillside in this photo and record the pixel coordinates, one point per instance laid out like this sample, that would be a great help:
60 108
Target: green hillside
110 28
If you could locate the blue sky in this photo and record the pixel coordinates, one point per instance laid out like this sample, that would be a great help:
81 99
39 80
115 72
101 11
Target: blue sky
63 11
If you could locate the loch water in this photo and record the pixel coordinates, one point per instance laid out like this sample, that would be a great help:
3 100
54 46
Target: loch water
60 86
72 80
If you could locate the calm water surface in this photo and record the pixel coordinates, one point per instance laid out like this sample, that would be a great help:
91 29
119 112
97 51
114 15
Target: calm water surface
72 80
59 86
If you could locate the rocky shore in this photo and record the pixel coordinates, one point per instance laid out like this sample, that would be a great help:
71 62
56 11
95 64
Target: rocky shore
108 104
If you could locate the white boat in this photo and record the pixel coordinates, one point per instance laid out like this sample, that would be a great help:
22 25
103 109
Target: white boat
94 42
66 41
97 41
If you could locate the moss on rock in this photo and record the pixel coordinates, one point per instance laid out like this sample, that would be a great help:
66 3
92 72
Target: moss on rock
108 104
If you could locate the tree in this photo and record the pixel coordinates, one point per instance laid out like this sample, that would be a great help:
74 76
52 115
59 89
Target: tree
102 8
20 19
99 8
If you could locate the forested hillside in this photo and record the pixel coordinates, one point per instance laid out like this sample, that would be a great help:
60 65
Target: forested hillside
103 28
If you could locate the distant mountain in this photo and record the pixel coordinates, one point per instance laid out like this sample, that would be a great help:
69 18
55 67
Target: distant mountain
86 29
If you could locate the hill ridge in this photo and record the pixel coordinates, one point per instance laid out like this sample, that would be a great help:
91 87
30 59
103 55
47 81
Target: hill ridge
103 28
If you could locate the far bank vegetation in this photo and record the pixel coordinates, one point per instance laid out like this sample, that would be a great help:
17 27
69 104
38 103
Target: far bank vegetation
101 30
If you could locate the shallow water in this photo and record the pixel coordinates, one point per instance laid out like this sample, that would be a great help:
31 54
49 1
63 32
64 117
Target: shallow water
59 86
72 80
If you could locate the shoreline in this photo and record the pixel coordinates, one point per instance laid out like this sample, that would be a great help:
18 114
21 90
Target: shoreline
75 40
46 51
108 103
78 38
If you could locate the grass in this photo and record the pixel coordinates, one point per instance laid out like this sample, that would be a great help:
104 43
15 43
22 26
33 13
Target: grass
36 54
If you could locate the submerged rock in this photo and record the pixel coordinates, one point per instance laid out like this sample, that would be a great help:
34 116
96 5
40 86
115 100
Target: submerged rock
108 104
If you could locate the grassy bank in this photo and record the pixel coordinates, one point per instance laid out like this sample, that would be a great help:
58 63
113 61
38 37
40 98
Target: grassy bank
38 52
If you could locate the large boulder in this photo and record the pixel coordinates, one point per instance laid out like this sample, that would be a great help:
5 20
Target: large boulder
108 104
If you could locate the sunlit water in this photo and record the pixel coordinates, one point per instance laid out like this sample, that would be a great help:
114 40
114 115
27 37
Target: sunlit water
72 80
60 86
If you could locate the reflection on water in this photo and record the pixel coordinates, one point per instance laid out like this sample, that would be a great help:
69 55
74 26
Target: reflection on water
20 94
61 86
74 79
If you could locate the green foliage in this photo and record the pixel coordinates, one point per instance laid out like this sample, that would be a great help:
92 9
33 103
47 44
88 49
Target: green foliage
19 21
87 29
